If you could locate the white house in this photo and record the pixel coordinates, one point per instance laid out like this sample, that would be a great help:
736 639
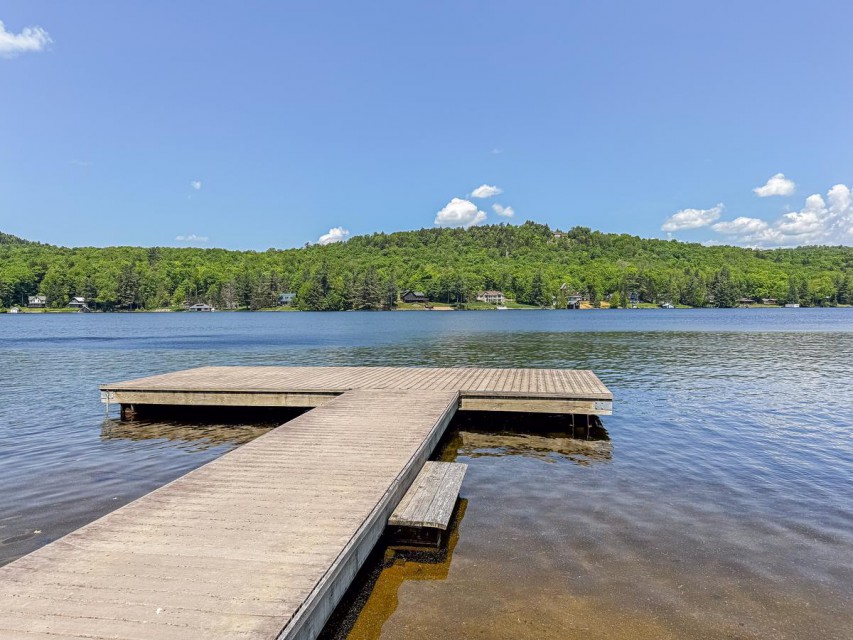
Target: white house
200 307
77 302
37 302
286 298
492 297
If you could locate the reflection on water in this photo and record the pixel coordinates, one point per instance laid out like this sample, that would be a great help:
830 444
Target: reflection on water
373 597
197 437
723 509
549 449
550 438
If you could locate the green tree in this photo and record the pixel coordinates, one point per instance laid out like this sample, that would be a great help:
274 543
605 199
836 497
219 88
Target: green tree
723 290
127 290
537 290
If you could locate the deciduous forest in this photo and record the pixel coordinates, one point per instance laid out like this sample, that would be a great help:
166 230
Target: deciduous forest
530 263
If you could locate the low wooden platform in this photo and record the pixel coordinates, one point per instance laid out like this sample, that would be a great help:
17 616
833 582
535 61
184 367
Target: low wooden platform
430 500
527 390
263 542
424 513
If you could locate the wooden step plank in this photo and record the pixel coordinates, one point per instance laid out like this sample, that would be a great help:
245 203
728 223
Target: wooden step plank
431 498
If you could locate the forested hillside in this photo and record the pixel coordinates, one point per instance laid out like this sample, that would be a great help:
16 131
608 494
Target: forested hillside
5 238
529 262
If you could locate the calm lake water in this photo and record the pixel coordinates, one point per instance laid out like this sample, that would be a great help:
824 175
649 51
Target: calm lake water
716 503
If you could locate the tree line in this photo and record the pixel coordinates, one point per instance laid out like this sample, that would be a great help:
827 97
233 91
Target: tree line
530 263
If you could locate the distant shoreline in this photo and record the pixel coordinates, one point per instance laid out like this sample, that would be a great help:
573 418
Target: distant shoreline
24 311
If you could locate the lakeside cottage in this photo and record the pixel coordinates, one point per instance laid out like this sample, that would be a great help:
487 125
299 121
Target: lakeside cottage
769 301
746 301
285 299
573 301
37 302
573 298
15 310
200 307
77 302
492 297
413 296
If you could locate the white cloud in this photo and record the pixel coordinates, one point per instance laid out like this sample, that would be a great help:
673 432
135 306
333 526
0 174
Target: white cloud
460 213
486 191
506 212
821 221
692 218
778 185
196 184
336 234
30 39
740 226
192 239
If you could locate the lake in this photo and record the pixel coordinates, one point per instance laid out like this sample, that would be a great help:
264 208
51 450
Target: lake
717 501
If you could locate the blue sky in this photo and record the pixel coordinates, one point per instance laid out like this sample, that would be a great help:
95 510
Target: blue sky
251 125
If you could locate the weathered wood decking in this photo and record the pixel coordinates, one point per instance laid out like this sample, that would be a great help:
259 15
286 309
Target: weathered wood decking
430 500
527 390
249 545
263 542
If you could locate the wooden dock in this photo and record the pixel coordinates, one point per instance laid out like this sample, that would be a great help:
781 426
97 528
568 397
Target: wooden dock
263 542
527 390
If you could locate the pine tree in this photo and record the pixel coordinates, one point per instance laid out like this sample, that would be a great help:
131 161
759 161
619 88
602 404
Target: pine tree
793 291
537 290
127 291
725 293
370 292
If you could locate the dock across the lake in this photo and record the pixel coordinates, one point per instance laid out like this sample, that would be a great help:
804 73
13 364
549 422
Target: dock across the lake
263 542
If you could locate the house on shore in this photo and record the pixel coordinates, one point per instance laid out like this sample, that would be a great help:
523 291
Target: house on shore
413 296
77 302
200 307
37 302
745 302
492 297
573 301
769 301
573 298
15 310
285 299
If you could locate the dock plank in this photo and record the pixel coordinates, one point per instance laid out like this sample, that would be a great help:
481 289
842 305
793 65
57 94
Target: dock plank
431 498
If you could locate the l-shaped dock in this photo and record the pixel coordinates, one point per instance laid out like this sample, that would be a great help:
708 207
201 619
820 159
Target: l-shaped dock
263 542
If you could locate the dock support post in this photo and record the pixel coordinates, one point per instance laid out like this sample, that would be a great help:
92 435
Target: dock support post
128 412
